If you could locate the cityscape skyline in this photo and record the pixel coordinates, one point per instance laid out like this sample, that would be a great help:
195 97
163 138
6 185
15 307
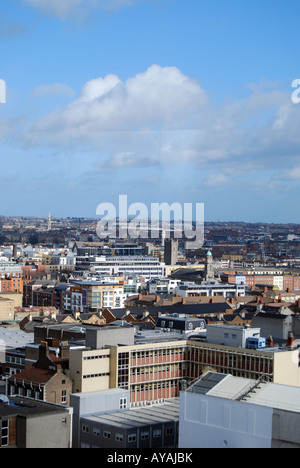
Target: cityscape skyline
160 100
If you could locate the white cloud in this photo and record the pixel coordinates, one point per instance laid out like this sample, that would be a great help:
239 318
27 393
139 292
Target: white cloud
163 117
161 97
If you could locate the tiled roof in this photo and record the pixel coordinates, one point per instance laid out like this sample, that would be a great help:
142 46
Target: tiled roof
34 375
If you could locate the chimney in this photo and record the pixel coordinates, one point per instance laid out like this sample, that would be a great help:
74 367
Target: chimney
53 315
77 315
157 298
183 300
64 350
211 301
270 342
145 314
290 340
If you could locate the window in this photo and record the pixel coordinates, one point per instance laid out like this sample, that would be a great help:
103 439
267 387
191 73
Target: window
85 429
169 431
64 397
156 433
107 434
119 437
132 438
123 403
4 433
96 431
145 435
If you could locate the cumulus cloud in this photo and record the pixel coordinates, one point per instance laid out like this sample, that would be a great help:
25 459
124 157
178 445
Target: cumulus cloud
161 97
161 117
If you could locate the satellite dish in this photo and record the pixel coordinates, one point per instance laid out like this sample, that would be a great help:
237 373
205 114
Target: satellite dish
2 92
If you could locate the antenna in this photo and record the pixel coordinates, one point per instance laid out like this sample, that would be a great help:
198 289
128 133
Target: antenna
2 92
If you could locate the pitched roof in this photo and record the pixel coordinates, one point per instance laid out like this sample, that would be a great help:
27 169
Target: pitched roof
34 375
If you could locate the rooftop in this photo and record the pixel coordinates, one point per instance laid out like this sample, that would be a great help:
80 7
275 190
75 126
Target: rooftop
140 417
269 394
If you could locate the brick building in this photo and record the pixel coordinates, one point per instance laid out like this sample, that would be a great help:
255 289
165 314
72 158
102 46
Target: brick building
44 381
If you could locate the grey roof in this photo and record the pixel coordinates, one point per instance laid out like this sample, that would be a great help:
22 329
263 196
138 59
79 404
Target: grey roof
140 417
252 391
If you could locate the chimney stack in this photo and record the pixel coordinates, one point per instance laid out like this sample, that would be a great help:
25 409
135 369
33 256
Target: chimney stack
290 340
270 342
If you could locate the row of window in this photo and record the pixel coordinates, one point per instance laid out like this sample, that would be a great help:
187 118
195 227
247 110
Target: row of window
15 360
145 435
91 376
157 353
100 356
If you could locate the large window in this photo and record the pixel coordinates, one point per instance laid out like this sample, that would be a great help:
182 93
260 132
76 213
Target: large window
123 370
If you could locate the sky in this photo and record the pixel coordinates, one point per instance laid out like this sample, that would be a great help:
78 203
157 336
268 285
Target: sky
165 101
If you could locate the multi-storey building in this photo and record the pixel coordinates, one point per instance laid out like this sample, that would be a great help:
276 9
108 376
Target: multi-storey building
96 295
210 288
155 370
11 284
146 267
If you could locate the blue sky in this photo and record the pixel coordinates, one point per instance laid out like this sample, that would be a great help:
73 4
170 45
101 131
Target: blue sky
161 100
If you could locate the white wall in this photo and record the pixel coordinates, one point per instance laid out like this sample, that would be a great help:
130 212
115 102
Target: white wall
211 422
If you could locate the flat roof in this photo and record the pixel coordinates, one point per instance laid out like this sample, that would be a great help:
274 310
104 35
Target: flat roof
140 417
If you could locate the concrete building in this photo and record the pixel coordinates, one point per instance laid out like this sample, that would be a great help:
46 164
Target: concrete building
146 267
153 427
91 403
25 423
170 251
153 369
210 289
233 336
222 411
278 325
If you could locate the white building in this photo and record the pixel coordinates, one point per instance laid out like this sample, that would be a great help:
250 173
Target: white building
163 286
211 288
233 336
146 267
222 411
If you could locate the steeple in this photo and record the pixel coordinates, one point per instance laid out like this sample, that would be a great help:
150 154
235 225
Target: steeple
209 267
49 222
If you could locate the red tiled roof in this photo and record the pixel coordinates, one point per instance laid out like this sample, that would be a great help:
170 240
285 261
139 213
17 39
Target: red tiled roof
34 375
